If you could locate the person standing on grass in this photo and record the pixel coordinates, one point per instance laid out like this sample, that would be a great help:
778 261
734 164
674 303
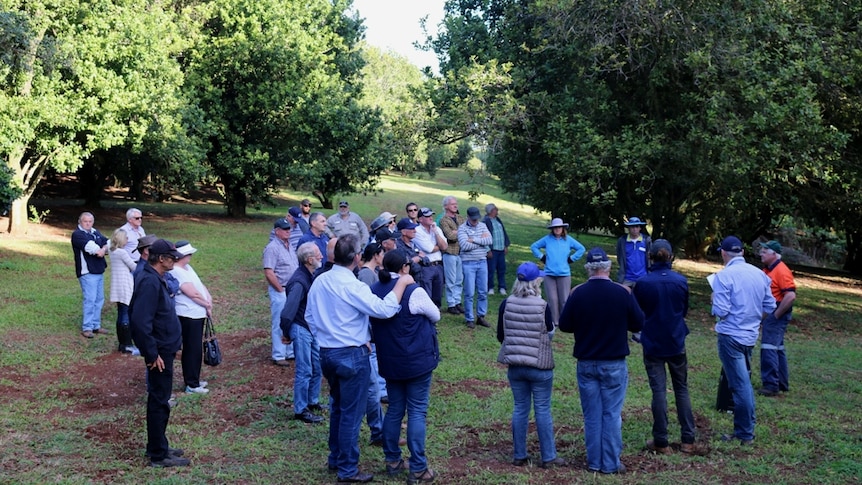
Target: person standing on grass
741 297
157 333
663 296
774 372
525 329
347 222
453 273
558 255
430 240
194 305
89 247
475 241
498 250
134 231
632 252
337 313
122 286
279 263
600 312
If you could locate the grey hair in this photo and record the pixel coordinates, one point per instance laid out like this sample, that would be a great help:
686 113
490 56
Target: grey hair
305 251
489 208
133 212
734 254
447 200
593 268
527 288
313 216
86 214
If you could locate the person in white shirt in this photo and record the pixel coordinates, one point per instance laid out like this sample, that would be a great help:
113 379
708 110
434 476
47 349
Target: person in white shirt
134 231
431 241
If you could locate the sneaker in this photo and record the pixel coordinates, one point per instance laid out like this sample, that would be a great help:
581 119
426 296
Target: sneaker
170 461
490 292
503 291
203 383
131 350
197 390
172 402
661 450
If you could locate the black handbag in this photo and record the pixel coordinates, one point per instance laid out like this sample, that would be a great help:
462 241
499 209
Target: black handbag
212 351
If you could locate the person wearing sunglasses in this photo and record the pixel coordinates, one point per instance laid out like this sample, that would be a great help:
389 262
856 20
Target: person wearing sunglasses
134 231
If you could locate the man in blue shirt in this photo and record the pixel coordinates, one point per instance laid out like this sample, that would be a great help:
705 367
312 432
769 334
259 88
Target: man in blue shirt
632 253
740 298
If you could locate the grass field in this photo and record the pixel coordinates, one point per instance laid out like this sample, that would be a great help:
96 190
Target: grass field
72 410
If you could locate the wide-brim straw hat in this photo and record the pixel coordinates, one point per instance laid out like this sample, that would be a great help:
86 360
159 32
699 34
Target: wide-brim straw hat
557 222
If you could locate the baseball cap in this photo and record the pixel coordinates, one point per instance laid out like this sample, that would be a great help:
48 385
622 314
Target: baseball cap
597 255
773 245
163 246
384 234
425 212
281 224
185 248
406 223
343 203
658 245
731 244
294 211
529 271
473 213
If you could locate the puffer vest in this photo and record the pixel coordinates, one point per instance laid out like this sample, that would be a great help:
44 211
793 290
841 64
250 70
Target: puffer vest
525 335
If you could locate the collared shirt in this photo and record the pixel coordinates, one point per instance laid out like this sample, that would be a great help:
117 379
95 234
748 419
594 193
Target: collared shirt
339 306
133 235
740 297
478 249
663 296
320 241
449 225
426 241
558 253
636 259
85 245
782 279
352 224
281 259
498 236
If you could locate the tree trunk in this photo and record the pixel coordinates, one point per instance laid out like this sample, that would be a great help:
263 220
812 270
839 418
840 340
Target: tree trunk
235 201
18 216
853 263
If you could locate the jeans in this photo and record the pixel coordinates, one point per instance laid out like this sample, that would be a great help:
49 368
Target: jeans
93 289
497 265
373 410
410 396
432 282
347 370
159 385
532 385
307 380
375 373
602 386
453 274
735 358
774 373
193 350
557 290
475 281
280 351
678 367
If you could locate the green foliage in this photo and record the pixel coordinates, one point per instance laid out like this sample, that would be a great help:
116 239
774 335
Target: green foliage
8 190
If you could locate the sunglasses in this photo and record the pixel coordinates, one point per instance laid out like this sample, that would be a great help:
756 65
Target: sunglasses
412 210
137 218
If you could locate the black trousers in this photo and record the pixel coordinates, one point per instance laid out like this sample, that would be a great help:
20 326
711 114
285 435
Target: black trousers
193 350
159 386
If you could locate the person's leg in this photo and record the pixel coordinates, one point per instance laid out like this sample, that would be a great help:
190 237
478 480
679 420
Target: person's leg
316 373
471 274
158 410
373 411
678 367
124 334
658 385
329 366
417 391
589 389
482 290
89 289
615 377
350 370
733 356
521 394
543 386
382 392
301 338
771 338
500 265
276 304
99 302
451 268
553 297
564 286
437 286
392 420
490 264
783 368
192 350
459 281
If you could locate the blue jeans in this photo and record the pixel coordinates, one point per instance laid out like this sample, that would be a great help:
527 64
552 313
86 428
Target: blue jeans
375 372
475 281
602 386
347 370
93 289
678 367
734 358
532 385
497 266
410 396
774 373
306 383
373 410
280 351
453 275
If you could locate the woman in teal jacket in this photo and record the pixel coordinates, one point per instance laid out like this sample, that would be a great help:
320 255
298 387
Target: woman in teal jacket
558 255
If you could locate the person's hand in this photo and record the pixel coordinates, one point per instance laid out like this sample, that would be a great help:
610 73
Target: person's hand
543 259
407 279
285 340
157 364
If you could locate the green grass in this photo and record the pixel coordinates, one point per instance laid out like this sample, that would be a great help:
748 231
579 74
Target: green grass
61 424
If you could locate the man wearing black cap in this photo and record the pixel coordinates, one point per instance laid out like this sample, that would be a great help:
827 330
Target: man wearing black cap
279 263
157 333
346 222
475 240
632 252
600 313
740 299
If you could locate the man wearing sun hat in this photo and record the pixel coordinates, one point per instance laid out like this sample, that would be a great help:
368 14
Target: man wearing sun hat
774 372
632 252
740 298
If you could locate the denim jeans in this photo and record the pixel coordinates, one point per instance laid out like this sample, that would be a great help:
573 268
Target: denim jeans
557 290
122 314
602 386
453 275
475 281
532 386
373 409
497 267
375 373
307 380
280 351
678 367
410 396
347 370
774 373
93 289
735 358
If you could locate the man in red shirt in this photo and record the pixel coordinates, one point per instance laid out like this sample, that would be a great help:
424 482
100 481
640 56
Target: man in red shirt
774 372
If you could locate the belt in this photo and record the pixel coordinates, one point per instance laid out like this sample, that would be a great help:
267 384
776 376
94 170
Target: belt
434 263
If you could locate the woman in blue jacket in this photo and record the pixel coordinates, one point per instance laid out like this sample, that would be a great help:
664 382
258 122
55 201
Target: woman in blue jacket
558 255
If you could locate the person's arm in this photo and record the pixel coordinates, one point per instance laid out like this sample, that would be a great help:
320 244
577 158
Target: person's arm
501 328
291 305
420 304
568 315
635 316
579 249
269 274
442 244
142 312
786 304
190 290
536 246
363 230
721 299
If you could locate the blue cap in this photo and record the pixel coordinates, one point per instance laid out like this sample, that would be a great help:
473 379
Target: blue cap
529 271
406 223
597 255
731 244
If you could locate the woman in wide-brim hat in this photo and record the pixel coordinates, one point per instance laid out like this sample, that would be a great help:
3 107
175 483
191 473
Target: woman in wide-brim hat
560 251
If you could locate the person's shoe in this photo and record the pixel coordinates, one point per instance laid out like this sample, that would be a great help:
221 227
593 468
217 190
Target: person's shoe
315 408
619 471
742 442
426 476
331 468
521 461
503 291
687 448
202 383
101 331
176 452
170 461
172 402
470 325
393 469
384 399
554 463
490 292
87 333
196 390
358 478
767 392
661 450
130 349
306 416
282 363
460 308
481 321
453 310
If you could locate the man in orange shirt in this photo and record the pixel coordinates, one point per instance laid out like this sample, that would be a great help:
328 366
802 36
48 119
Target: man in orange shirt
774 372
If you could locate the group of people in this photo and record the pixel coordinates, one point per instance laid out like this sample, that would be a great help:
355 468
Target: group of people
162 306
